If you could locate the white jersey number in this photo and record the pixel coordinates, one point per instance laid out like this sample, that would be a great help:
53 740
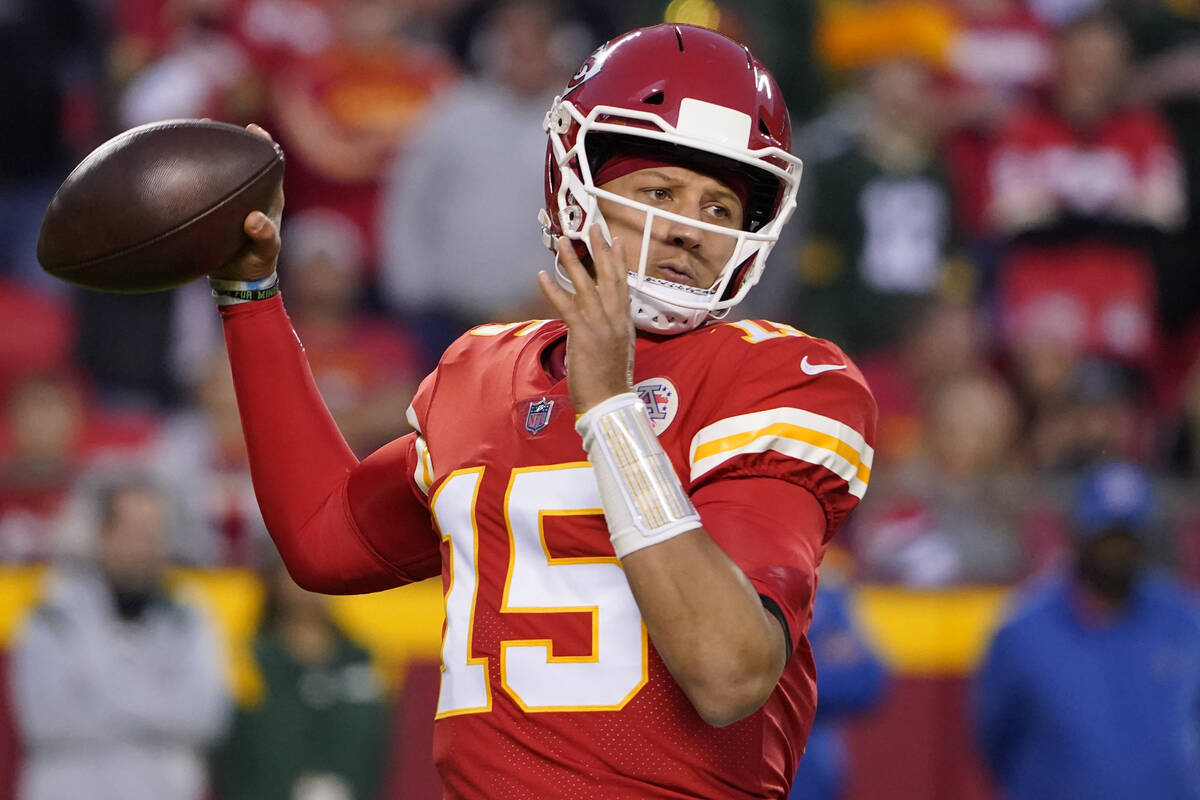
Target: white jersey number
537 582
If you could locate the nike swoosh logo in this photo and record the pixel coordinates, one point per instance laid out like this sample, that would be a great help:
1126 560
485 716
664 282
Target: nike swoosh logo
817 369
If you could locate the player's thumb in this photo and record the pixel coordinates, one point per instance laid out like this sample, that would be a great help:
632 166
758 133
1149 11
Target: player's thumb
256 260
264 234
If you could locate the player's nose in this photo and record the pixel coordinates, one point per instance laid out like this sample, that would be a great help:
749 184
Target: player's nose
680 233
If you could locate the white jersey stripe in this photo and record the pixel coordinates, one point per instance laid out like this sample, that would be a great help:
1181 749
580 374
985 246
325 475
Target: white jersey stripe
423 472
794 432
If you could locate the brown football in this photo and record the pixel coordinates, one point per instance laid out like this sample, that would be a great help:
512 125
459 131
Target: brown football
158 205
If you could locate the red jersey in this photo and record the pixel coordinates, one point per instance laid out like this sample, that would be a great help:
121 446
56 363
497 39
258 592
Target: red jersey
550 685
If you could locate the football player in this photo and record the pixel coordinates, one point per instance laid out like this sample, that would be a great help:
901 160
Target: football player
627 505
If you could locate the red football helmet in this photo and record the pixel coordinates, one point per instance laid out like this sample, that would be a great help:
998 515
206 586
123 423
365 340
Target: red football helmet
685 94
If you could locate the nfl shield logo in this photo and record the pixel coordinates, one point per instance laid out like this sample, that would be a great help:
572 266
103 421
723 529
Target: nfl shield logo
538 416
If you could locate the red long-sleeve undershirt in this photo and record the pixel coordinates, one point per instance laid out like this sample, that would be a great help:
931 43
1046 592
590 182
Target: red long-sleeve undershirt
306 478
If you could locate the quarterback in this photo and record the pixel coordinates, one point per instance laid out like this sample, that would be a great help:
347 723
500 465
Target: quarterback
627 505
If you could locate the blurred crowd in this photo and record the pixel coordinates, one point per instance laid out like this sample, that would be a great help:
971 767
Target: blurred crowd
1000 222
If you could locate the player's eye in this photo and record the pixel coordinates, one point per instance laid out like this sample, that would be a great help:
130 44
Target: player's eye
719 211
658 194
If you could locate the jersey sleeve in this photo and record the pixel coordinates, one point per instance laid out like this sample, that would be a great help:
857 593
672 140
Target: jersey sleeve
798 410
340 526
773 530
783 456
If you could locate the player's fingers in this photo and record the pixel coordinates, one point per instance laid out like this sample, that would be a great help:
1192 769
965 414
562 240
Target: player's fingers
612 282
260 227
585 287
275 209
264 235
609 270
259 130
258 258
562 301
601 255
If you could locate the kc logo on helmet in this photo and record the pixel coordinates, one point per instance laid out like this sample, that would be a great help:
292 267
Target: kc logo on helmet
587 70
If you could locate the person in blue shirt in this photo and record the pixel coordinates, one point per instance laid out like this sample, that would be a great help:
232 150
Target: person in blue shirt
1091 689
850 680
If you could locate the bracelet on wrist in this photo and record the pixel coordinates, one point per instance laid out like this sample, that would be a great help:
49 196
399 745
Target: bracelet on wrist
232 292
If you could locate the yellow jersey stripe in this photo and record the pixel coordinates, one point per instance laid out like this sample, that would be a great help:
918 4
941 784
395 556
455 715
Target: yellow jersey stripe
785 430
794 432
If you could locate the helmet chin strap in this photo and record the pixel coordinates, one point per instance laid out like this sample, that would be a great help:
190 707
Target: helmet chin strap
654 315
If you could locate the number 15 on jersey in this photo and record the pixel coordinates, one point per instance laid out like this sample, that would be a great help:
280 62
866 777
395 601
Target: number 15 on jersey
536 582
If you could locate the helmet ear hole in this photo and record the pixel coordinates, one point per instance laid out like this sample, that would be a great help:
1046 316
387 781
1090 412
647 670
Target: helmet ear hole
655 99
762 127
572 218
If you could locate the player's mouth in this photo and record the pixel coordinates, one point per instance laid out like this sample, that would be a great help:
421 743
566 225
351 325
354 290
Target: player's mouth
676 273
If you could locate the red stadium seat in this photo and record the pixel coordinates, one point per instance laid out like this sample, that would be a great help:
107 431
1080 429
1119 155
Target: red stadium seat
39 332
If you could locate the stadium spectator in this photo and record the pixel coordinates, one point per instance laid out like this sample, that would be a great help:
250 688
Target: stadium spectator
316 725
142 351
1090 689
469 189
853 36
181 59
1165 40
880 216
1081 188
345 91
578 26
51 92
1087 410
947 516
365 366
43 421
49 434
850 681
118 686
201 453
938 341
999 57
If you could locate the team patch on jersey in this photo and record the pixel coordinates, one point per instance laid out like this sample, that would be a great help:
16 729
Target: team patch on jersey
662 402
538 415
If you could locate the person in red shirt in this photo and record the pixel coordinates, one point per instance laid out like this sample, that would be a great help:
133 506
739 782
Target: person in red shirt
344 93
628 545
1080 189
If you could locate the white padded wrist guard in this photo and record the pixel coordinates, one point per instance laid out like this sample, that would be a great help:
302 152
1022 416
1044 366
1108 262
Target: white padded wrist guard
644 502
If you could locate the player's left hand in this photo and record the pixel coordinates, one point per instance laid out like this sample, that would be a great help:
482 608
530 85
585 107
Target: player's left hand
600 334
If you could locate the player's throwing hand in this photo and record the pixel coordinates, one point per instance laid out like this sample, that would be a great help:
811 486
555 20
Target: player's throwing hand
600 329
256 261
